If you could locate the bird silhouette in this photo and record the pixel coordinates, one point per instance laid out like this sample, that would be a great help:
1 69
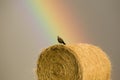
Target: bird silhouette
60 40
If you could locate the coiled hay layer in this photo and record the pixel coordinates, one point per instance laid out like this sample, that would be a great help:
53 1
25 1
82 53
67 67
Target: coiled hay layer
73 62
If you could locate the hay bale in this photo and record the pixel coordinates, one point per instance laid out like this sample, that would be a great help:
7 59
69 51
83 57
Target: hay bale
73 62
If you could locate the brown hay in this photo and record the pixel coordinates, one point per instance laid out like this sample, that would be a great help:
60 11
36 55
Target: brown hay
73 62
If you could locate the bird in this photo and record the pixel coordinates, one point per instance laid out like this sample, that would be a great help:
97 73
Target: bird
60 40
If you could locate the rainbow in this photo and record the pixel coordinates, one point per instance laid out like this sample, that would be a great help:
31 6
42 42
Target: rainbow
56 18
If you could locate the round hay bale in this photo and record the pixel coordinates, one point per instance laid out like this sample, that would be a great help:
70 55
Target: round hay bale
73 62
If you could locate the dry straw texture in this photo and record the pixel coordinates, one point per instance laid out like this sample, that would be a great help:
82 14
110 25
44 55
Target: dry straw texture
73 62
